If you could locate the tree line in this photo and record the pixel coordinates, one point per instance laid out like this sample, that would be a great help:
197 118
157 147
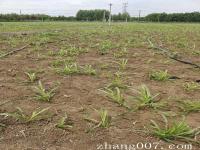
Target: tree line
33 17
103 15
173 17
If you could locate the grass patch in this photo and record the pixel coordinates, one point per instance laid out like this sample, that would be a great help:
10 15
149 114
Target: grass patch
159 75
103 122
42 94
190 106
146 99
64 123
26 118
191 86
178 130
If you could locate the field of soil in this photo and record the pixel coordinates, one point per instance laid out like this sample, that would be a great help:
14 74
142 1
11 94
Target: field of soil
90 69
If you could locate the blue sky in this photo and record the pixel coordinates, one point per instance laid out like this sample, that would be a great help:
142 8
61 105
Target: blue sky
70 7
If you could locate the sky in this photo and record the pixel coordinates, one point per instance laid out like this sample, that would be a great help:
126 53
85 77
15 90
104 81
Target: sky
70 7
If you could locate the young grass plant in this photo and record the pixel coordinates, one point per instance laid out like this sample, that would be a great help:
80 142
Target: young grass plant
104 119
62 52
117 81
160 75
122 64
25 118
73 68
192 86
69 69
177 131
64 123
88 70
121 53
32 77
105 47
42 94
146 99
190 106
115 95
58 63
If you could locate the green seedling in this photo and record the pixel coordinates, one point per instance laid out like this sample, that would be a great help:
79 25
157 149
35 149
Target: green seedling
115 95
197 53
25 118
160 75
69 69
58 63
88 70
117 81
192 86
122 64
146 99
121 53
64 123
31 76
190 106
62 52
105 47
177 131
104 121
42 94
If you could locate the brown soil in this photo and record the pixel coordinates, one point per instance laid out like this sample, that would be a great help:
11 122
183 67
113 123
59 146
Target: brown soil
77 95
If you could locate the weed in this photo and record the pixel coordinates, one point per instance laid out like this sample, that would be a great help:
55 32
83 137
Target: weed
25 118
160 75
42 94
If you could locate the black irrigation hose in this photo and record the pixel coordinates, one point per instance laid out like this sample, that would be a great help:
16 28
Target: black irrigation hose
14 51
22 48
172 56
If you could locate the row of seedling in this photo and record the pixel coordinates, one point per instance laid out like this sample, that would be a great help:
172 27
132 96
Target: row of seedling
74 68
177 130
37 115
115 92
69 51
165 76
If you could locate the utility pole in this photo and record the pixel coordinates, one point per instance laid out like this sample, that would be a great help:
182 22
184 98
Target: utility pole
139 15
104 16
110 16
20 12
125 5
